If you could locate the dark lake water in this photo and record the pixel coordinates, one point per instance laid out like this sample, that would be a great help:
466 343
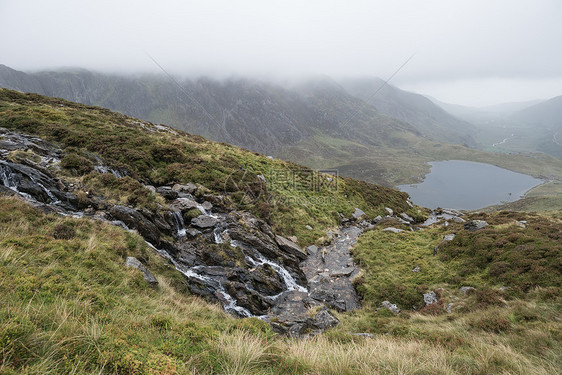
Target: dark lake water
467 185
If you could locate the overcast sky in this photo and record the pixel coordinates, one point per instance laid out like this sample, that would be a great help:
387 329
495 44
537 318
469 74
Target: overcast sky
466 52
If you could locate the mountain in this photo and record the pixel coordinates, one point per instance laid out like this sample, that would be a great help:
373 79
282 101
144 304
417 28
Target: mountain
128 247
316 122
415 109
256 115
547 114
486 114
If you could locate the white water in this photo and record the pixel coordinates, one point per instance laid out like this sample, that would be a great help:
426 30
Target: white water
289 280
230 304
180 225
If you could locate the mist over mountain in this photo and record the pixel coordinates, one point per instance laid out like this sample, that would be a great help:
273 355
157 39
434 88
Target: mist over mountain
412 108
257 115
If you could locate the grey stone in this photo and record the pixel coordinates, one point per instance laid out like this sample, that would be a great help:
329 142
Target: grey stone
430 298
389 210
204 221
293 238
377 219
416 269
521 224
457 219
466 289
184 204
390 306
308 227
167 192
148 276
290 247
449 237
475 225
358 214
188 188
407 217
393 230
207 206
344 272
312 250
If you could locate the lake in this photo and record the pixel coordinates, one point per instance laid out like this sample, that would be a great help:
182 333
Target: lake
467 185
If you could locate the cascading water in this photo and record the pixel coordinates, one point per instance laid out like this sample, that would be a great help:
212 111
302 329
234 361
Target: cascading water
260 260
180 225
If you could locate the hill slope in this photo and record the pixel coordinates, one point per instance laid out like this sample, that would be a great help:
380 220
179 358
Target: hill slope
415 109
92 188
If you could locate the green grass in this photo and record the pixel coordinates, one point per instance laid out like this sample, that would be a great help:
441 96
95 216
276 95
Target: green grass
151 156
502 254
70 306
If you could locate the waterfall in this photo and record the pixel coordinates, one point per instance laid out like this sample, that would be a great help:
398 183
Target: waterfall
288 279
180 225
230 304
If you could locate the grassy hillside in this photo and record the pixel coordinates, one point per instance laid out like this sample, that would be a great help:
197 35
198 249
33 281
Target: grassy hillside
162 156
71 306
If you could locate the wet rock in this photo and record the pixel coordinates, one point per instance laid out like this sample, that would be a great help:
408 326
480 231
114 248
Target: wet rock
187 188
167 192
312 250
192 232
475 225
148 276
358 214
344 272
184 204
207 206
136 220
204 221
390 306
407 217
430 298
266 281
290 247
393 230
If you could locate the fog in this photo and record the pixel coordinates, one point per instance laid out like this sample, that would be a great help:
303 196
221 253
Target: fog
466 52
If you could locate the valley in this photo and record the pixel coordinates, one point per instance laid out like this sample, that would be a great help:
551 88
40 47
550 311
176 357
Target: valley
121 254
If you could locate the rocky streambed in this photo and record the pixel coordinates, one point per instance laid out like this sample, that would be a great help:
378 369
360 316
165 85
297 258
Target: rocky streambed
226 255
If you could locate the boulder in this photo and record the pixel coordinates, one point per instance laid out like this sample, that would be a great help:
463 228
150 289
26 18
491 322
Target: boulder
187 188
407 217
465 289
184 204
475 225
148 276
358 214
449 237
167 192
290 247
430 298
393 230
135 220
312 250
390 306
204 221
